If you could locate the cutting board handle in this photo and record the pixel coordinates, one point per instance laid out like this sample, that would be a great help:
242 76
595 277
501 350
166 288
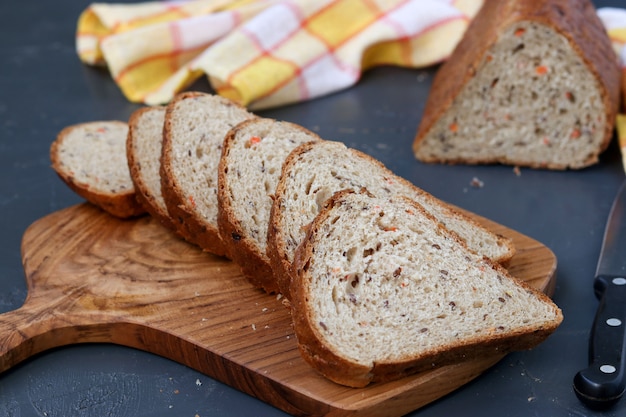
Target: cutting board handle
46 324
25 332
94 278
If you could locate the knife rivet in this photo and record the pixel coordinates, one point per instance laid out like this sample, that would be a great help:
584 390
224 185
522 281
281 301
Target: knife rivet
619 281
607 369
613 322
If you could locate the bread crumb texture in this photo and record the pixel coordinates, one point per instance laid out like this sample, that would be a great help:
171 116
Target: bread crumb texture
198 126
328 167
383 283
94 154
532 102
256 155
147 129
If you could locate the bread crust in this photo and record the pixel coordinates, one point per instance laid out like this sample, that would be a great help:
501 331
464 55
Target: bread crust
143 192
187 221
241 248
576 20
236 244
276 251
121 204
346 372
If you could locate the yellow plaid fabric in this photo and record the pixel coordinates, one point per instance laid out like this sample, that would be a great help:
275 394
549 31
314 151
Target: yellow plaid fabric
264 53
267 53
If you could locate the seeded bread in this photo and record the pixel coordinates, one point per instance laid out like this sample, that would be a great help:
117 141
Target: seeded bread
383 291
143 150
532 83
91 159
194 130
249 169
313 172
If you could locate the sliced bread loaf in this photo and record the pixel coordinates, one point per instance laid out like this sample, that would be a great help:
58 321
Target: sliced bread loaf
91 159
532 83
315 171
249 169
143 150
382 291
194 130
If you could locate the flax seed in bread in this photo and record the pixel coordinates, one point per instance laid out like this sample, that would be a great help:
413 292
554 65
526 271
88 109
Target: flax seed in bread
249 169
91 159
143 150
382 291
315 171
194 130
532 83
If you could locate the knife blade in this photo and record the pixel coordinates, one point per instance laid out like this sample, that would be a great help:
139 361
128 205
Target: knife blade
603 382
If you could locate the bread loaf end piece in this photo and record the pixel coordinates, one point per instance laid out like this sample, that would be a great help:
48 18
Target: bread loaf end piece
91 159
194 130
382 291
143 150
532 83
252 157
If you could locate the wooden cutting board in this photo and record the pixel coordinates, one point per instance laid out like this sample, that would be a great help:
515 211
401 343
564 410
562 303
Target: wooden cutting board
94 278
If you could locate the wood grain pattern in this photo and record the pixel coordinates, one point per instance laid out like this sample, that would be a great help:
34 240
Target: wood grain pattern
94 278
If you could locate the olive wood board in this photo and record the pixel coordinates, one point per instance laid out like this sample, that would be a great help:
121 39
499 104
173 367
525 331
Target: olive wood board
94 278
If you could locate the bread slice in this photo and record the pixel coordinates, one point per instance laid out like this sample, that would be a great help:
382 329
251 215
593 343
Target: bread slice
249 169
91 159
383 291
194 130
143 150
315 171
532 83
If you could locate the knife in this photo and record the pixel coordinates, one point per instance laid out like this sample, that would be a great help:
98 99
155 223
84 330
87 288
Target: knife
602 384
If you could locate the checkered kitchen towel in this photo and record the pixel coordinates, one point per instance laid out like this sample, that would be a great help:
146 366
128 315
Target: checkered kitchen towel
264 53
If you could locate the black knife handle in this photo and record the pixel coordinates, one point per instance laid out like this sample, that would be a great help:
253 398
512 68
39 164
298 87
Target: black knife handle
602 384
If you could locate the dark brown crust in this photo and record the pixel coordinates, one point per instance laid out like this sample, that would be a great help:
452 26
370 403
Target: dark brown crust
281 266
123 205
183 217
345 372
276 252
254 265
452 213
312 349
237 245
187 222
576 20
144 195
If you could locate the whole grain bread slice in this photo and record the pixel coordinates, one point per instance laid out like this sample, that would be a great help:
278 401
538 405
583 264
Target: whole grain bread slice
252 157
91 159
532 83
383 290
194 130
315 171
143 150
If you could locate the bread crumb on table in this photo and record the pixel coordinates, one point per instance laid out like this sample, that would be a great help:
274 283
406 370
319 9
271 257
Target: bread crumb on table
477 183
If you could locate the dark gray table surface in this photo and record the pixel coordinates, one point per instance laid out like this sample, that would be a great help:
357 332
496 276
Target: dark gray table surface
44 87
